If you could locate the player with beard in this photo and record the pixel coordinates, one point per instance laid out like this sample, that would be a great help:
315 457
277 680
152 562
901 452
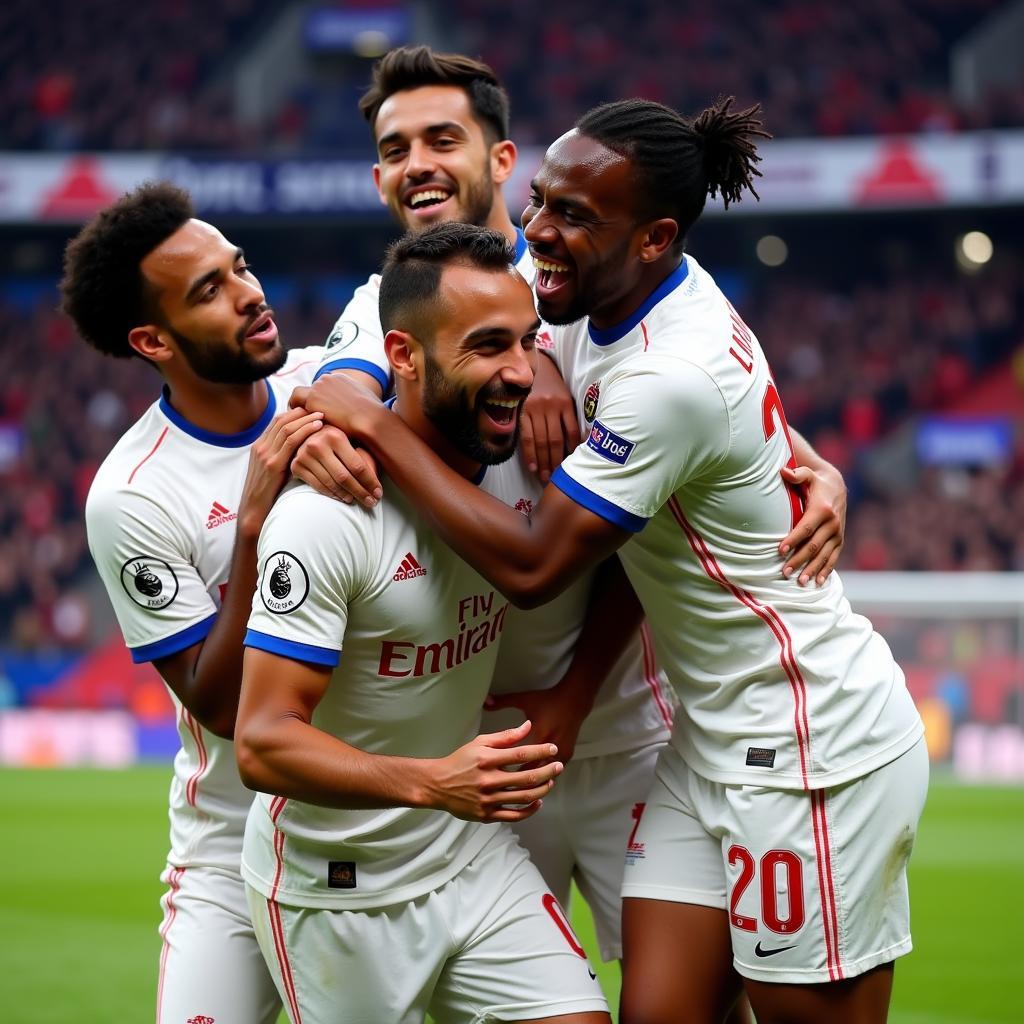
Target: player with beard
377 844
775 840
173 517
440 125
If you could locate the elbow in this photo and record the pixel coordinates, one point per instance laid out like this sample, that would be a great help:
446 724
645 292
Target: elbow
251 765
222 726
532 590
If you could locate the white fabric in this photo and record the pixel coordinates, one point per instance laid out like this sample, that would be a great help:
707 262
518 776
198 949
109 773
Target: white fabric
779 685
419 630
161 524
815 883
483 947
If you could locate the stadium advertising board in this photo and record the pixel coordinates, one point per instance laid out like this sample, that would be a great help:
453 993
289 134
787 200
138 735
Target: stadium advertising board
799 176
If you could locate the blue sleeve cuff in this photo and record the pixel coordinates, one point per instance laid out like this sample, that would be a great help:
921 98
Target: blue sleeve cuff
595 503
382 378
172 644
291 648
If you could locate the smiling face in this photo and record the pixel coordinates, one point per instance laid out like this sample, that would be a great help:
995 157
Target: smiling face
590 249
479 366
435 162
211 308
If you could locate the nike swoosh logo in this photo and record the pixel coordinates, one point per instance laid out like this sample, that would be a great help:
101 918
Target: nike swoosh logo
758 951
593 976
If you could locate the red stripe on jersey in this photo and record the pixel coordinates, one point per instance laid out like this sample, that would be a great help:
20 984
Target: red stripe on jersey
651 674
152 451
647 340
277 928
297 366
826 885
171 911
771 619
276 807
192 786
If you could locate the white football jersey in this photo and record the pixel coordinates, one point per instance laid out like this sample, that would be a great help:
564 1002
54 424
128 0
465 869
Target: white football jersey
161 524
356 341
779 685
635 703
412 632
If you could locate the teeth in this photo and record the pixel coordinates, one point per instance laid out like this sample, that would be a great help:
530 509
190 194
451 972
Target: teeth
509 403
554 268
424 197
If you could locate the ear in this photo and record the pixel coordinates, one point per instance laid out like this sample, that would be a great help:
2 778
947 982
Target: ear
503 161
148 343
403 352
376 181
656 238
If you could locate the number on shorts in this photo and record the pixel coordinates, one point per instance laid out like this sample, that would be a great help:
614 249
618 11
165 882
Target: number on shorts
551 905
794 889
638 813
773 414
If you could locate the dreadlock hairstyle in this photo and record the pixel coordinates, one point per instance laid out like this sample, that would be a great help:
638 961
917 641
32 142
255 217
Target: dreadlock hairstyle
410 67
679 163
411 276
103 290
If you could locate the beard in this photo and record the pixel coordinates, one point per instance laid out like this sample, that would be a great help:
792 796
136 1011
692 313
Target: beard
225 364
590 296
448 407
476 208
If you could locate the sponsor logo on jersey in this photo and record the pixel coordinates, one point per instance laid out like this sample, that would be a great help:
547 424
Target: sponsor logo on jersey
341 874
759 951
590 400
609 445
201 1019
343 334
408 569
479 627
219 515
544 341
150 582
761 757
285 583
524 505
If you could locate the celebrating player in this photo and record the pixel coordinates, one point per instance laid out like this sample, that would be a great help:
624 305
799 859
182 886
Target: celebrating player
440 128
173 518
381 880
776 837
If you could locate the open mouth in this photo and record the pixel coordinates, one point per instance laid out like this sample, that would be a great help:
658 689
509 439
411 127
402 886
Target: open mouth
502 412
426 200
264 329
551 275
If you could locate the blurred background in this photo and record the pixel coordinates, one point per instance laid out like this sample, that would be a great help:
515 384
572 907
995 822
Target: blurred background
883 271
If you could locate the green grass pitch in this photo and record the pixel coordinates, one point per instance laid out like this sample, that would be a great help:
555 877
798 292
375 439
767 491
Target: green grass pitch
82 850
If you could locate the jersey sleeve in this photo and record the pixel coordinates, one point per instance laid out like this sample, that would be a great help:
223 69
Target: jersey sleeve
356 341
143 557
314 556
661 422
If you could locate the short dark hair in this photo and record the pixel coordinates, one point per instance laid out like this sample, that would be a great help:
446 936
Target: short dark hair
410 67
103 290
411 276
680 162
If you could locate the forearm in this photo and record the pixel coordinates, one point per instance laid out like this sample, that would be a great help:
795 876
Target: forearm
292 758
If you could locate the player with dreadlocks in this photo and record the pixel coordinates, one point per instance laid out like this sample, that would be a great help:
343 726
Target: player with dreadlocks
772 849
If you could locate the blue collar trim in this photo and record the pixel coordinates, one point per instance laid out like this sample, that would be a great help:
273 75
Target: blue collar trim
520 244
620 330
240 440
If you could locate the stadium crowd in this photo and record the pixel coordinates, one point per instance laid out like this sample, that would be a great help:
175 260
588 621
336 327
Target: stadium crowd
878 68
848 376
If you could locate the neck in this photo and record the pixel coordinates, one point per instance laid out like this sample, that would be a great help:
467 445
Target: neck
623 306
499 220
218 408
411 413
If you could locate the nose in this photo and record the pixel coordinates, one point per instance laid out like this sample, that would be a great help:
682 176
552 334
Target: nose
250 293
519 369
536 226
420 162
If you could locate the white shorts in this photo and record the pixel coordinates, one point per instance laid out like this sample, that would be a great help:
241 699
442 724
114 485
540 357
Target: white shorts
491 944
580 833
211 968
815 883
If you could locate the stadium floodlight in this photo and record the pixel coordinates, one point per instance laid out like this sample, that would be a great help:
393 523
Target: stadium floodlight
973 250
772 251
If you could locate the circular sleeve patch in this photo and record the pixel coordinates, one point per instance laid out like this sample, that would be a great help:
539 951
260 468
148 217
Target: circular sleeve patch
150 582
284 584
342 336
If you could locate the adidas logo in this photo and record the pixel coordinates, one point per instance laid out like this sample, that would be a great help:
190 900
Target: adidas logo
409 569
219 515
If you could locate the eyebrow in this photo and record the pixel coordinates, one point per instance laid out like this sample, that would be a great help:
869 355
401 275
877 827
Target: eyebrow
431 129
487 332
201 282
